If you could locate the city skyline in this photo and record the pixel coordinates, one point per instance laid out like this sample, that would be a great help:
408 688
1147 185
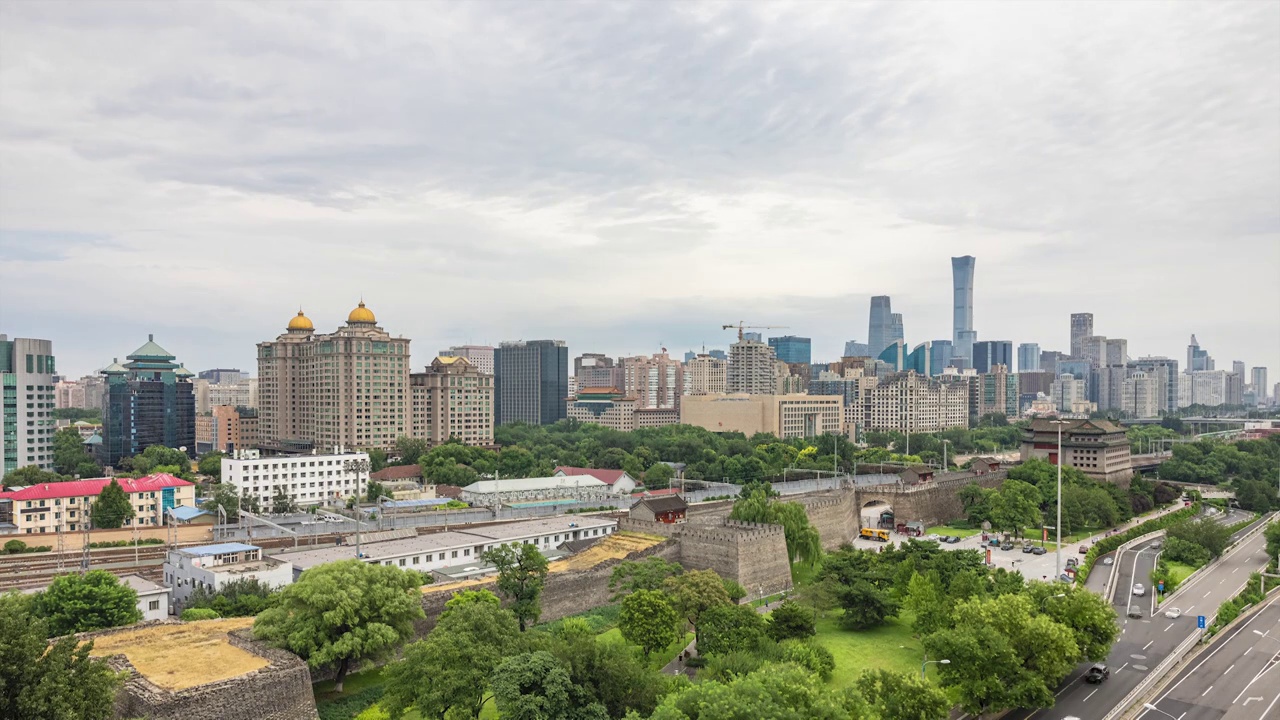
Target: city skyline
243 189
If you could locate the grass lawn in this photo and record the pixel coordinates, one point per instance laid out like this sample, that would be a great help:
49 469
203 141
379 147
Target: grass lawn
659 658
1179 571
856 651
948 530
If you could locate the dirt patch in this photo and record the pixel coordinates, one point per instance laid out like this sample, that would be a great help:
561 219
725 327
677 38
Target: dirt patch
176 657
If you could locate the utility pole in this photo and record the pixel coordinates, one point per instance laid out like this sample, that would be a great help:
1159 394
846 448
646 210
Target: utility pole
1058 525
357 467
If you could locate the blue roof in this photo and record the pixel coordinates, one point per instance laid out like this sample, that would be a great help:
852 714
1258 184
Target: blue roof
186 512
219 549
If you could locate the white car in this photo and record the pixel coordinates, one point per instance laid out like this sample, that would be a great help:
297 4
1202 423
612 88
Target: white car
1108 560
1173 613
1139 590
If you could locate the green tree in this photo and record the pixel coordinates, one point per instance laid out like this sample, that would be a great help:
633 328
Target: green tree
446 674
521 575
791 620
536 686
31 475
724 629
866 606
648 574
1272 534
1205 532
925 599
782 692
803 542
648 620
224 496
377 459
210 464
14 547
373 490
246 597
658 476
343 613
92 601
112 507
410 450
39 680
1015 506
69 456
1089 617
193 614
693 592
734 590
281 503
901 696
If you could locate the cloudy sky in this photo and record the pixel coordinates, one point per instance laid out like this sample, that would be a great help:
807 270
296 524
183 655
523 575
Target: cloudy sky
633 175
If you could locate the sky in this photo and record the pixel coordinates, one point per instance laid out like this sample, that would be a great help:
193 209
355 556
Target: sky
632 176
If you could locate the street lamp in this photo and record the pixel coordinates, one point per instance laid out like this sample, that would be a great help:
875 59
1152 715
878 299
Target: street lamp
931 662
1045 602
1149 706
945 467
1057 563
357 467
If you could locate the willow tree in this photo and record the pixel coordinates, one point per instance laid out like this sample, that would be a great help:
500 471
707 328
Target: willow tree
803 542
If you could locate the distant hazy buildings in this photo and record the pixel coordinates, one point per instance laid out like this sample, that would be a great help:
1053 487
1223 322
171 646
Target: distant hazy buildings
792 349
148 401
85 393
999 392
989 353
751 368
1081 328
217 376
962 334
219 431
452 400
532 381
911 403
27 426
853 348
1198 360
1210 387
596 370
941 353
1163 372
347 389
480 357
1049 361
655 381
1258 380
885 326
1069 392
1141 396
1028 357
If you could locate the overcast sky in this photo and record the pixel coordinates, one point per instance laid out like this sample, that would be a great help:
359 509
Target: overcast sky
635 175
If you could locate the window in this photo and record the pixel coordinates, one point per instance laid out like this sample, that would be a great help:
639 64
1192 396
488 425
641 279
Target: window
153 605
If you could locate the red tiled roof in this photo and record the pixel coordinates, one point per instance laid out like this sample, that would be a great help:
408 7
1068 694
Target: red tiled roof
78 488
398 472
608 477
449 491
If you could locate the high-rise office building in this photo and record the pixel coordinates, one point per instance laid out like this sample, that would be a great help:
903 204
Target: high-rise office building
1049 361
1069 392
940 356
895 355
452 400
1163 372
879 333
792 349
1238 369
1258 378
920 359
751 368
963 350
347 389
656 382
962 287
1094 349
1081 328
988 353
1028 357
706 375
594 370
754 336
480 357
1117 352
1106 386
999 392
149 401
896 331
27 425
532 380
1141 396
853 348
1197 360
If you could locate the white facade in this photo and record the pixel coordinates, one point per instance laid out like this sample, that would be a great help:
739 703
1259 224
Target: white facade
911 403
1140 398
153 599
211 567
751 368
706 375
480 356
27 436
306 479
1067 391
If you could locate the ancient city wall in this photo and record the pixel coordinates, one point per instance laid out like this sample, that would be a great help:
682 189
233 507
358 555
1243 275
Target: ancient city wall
834 515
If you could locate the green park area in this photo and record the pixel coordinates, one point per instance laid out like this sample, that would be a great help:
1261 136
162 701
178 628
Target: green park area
891 646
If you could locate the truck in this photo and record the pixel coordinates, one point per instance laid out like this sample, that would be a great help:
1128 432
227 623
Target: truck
874 534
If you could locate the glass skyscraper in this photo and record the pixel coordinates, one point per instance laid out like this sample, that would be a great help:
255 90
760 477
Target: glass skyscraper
1028 357
992 352
879 331
962 285
792 349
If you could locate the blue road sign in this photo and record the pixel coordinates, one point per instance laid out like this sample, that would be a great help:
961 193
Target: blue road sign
1200 621
1161 586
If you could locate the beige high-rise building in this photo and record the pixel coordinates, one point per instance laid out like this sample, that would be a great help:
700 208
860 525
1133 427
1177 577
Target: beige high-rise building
911 403
751 369
219 431
706 375
786 416
655 382
347 389
480 356
452 399
1140 398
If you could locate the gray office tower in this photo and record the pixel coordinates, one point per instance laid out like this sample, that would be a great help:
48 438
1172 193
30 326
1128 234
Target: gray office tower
1028 357
1197 359
853 348
1081 328
879 333
532 381
992 352
962 283
1165 372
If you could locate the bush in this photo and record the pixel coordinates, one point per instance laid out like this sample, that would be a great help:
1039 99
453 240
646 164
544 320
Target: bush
791 620
810 656
348 707
194 614
726 667
15 546
1184 551
1109 544
696 661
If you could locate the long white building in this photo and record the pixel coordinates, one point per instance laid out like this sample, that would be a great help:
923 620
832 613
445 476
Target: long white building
306 479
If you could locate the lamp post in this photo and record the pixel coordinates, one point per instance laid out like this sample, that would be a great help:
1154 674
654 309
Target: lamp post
945 467
1057 563
1045 602
357 467
1149 706
931 662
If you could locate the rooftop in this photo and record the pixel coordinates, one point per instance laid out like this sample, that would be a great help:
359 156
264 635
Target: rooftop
141 585
86 488
608 477
218 549
544 483
376 551
541 526
665 503
398 472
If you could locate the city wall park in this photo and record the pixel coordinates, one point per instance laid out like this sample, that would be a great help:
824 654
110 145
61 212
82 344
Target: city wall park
752 554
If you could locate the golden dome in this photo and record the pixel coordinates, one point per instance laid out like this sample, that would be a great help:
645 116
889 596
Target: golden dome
362 314
301 322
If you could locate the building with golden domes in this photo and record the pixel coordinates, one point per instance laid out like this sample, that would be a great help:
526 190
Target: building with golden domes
349 388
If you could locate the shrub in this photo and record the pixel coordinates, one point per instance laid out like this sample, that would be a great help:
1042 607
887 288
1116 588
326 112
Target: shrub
810 656
1109 544
194 614
15 546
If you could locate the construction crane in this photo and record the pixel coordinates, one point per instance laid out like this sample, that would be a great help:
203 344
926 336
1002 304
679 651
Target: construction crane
741 326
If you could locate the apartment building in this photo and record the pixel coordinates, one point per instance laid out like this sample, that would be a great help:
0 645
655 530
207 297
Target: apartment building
999 393
655 382
911 403
219 431
306 479
1141 396
706 375
27 425
751 368
452 399
49 507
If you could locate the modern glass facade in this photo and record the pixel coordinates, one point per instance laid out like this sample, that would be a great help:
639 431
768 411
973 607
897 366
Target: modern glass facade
962 286
792 349
1028 357
878 331
992 352
531 381
940 356
149 401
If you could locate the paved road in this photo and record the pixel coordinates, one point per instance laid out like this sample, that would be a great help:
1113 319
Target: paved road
1234 679
1145 642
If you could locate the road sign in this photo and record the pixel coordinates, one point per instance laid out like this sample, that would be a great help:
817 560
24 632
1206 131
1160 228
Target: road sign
1160 586
1200 621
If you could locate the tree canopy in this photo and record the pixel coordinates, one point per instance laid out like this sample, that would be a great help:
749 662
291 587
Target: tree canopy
522 572
77 603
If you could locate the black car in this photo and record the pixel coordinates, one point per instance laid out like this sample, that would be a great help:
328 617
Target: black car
1097 674
1007 546
1037 550
953 539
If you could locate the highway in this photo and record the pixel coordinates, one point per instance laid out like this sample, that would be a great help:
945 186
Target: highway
1143 643
1234 679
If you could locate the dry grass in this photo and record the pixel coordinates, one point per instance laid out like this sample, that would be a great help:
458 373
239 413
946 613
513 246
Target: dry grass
614 547
176 657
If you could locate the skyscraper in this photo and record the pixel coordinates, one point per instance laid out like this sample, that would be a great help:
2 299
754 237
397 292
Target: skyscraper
149 401
1197 360
895 328
27 425
1117 352
853 348
879 332
1259 381
1081 328
655 382
1028 357
992 352
532 381
792 349
1163 372
346 389
751 368
1237 369
962 285
940 356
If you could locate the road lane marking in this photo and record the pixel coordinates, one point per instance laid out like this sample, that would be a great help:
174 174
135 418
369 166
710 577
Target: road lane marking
1144 647
1273 704
1166 629
1206 691
1224 672
1207 594
1086 697
1233 572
